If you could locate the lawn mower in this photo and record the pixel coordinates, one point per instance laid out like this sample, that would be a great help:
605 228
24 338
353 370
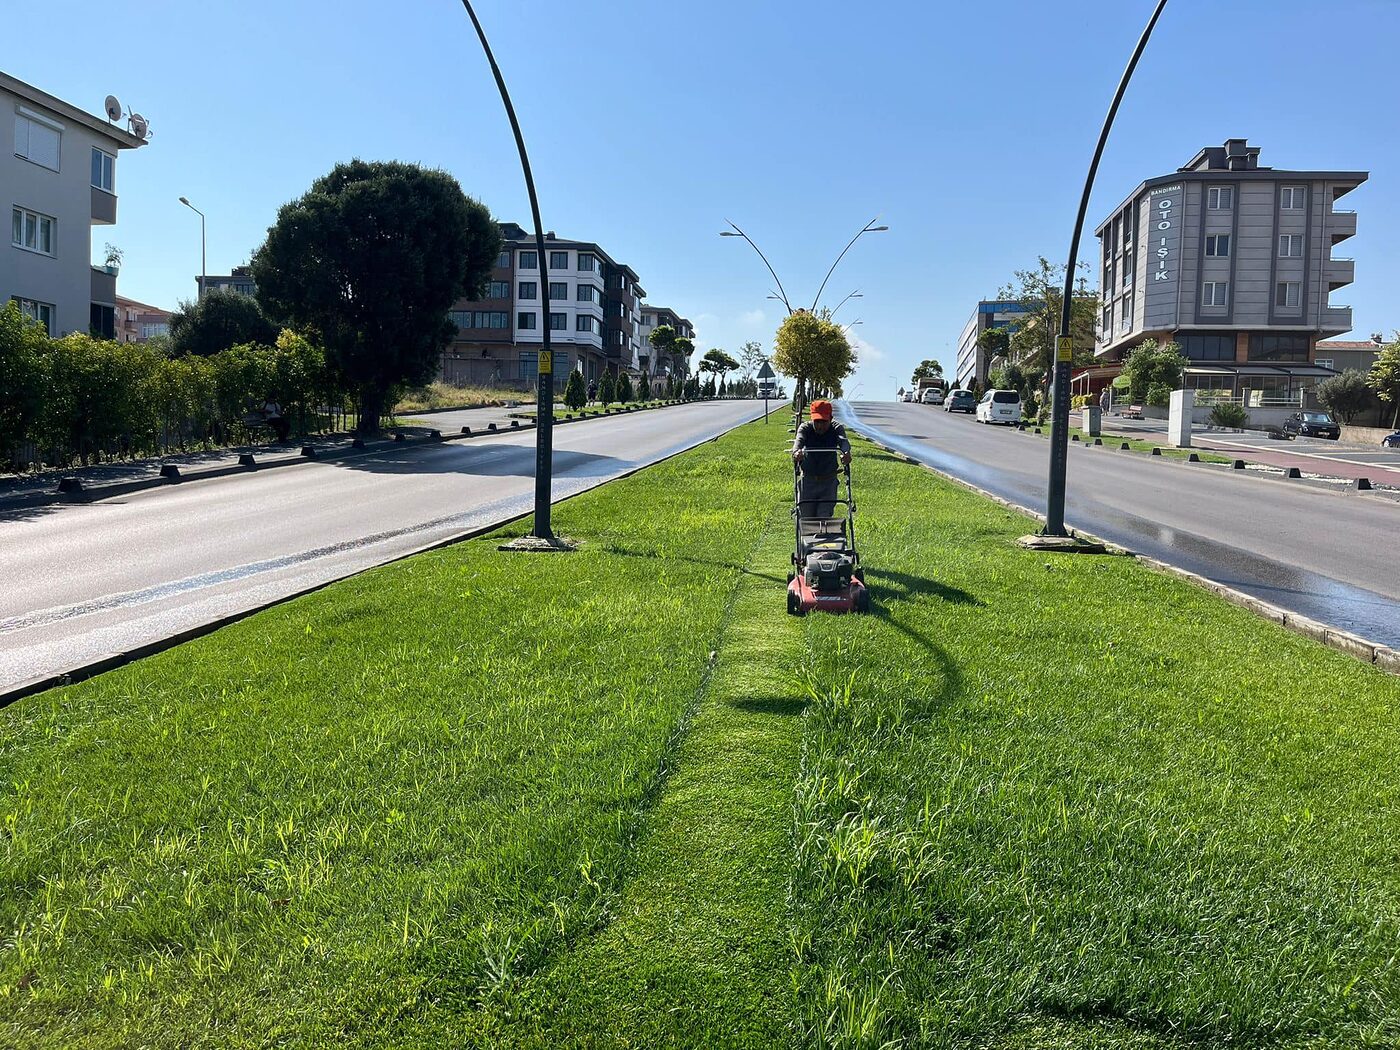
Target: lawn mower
827 574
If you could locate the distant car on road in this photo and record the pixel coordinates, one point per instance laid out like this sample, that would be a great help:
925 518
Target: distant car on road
1391 440
908 395
931 396
999 406
1311 424
960 401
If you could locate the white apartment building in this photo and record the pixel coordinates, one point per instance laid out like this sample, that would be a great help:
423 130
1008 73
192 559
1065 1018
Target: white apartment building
59 181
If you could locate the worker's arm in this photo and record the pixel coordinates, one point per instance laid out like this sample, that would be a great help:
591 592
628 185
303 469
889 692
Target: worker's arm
799 442
844 444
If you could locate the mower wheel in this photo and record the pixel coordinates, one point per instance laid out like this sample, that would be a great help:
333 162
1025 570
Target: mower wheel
794 605
863 602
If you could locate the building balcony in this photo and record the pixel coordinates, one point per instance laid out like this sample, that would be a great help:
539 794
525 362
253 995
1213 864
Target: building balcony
1337 273
1334 320
1340 225
104 207
104 287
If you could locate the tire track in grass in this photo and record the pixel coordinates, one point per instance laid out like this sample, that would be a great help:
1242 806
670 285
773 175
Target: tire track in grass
697 953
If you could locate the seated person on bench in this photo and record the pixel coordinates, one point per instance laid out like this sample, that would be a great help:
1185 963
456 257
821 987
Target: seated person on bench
820 472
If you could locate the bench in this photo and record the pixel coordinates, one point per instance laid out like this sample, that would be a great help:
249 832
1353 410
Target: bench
1132 412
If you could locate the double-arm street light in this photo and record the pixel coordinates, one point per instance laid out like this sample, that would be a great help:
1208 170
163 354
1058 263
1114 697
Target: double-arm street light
203 256
782 295
843 302
1064 345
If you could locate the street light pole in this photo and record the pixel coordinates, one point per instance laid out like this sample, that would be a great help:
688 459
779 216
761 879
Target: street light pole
1064 346
544 396
740 233
869 227
203 255
843 302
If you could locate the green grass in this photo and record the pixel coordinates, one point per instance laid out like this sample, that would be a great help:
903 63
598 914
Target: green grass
487 800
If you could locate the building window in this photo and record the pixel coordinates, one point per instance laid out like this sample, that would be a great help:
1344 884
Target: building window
1286 294
558 261
529 364
32 232
36 311
583 323
587 262
558 291
103 165
1218 245
503 260
1220 198
1107 321
1324 362
1287 347
1290 245
37 142
529 261
1216 293
525 321
1207 346
102 321
558 322
461 318
1292 197
498 290
587 293
1128 272
529 290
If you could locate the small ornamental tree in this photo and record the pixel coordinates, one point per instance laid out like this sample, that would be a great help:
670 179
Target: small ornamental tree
814 351
1347 395
662 339
368 262
575 395
23 375
607 389
709 388
721 391
681 349
623 387
1152 369
1385 377
931 369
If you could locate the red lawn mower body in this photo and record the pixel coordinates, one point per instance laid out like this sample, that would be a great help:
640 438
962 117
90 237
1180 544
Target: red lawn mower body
827 574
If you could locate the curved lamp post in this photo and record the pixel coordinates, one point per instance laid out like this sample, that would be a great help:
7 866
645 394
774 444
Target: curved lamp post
869 227
736 232
203 254
544 397
843 302
1064 346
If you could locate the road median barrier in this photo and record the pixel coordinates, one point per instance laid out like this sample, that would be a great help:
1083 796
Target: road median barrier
170 472
1293 473
245 459
308 451
70 486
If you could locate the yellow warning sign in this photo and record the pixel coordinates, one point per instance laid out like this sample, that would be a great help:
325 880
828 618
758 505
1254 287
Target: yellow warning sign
546 362
1064 348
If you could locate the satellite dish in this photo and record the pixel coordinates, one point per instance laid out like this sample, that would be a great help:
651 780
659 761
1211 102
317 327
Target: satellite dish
114 108
139 127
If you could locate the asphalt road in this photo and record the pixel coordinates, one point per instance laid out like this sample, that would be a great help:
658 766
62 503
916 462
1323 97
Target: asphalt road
86 580
1327 555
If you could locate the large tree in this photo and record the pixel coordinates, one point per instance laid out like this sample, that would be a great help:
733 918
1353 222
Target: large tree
681 349
217 321
751 358
719 363
369 261
1385 377
1039 292
928 369
1347 395
994 342
663 344
815 352
1154 371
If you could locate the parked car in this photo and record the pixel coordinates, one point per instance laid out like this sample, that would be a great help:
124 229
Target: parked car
909 395
1391 440
999 406
931 396
960 401
1311 424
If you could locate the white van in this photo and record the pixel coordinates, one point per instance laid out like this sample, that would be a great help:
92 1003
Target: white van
999 406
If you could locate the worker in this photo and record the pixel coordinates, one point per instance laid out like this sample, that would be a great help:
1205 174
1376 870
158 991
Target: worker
815 450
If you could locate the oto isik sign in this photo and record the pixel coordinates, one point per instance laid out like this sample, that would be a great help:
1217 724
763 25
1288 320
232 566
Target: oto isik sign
1165 238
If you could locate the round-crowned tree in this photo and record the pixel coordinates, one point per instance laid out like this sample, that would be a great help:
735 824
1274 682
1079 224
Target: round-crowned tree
368 262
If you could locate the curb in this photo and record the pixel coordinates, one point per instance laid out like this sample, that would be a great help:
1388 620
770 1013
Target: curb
111 661
1382 657
349 451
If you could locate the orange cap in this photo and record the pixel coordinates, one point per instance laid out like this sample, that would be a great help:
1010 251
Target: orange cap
821 409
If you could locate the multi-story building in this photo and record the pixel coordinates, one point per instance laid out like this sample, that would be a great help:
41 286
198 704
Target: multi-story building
653 317
60 181
138 322
593 310
1233 262
1346 354
972 363
239 280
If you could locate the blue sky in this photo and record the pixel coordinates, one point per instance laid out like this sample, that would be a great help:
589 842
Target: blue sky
966 127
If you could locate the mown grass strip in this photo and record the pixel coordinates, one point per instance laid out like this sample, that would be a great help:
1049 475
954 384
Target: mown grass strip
1073 802
374 808
696 951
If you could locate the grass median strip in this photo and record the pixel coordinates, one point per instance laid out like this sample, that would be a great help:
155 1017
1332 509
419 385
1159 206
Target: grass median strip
476 799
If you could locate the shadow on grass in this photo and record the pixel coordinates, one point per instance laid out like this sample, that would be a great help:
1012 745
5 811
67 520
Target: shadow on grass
888 584
772 705
715 563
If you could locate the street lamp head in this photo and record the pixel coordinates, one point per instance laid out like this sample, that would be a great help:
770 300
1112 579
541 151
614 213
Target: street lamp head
877 229
727 233
185 201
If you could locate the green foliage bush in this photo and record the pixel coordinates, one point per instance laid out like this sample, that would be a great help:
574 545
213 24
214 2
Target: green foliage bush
575 396
1152 366
1230 415
1159 395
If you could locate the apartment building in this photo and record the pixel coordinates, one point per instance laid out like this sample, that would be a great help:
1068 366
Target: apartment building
137 322
1346 354
238 280
972 364
59 181
594 315
1235 263
653 317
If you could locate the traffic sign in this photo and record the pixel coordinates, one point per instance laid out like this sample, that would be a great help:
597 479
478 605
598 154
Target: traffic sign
1065 348
766 372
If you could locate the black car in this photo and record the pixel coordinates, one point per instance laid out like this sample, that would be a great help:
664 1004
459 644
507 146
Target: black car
960 401
1311 424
